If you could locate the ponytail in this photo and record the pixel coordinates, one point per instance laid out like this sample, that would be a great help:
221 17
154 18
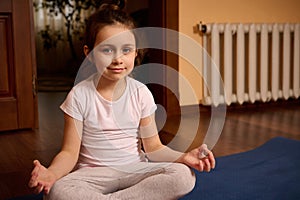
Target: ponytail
113 4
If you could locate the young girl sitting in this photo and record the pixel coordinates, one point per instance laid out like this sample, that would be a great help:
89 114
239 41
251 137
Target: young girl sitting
107 116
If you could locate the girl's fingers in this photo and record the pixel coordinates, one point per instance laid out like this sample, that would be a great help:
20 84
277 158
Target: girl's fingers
213 164
34 174
201 167
209 160
207 165
37 165
39 188
212 160
32 183
46 190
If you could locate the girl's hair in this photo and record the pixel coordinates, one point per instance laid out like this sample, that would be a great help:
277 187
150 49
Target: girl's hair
109 13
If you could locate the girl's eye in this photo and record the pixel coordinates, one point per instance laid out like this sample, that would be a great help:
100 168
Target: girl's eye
127 50
107 51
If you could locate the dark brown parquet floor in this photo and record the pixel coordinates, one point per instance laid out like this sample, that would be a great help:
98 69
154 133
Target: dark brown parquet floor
246 127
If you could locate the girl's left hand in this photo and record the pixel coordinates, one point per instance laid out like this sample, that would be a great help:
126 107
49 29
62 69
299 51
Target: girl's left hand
194 160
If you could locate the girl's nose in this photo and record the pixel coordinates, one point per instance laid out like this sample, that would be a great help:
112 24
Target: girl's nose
117 60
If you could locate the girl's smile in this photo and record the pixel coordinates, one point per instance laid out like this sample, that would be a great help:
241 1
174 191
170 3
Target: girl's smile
116 70
114 52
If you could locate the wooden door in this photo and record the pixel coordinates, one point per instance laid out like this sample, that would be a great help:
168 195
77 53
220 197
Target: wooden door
17 65
164 13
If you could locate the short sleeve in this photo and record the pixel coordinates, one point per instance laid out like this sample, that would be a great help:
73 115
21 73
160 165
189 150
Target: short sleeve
73 105
148 105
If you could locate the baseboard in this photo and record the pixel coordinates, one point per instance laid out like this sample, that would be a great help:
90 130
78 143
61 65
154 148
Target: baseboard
190 109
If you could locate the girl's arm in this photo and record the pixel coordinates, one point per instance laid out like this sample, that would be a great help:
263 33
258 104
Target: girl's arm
66 159
158 152
42 178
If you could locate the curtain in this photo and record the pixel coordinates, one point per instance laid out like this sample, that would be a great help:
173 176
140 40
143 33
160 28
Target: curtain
54 56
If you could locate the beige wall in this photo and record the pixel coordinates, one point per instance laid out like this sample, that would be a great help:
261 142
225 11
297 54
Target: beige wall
222 11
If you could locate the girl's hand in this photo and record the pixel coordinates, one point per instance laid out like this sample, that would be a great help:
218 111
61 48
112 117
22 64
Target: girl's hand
193 159
42 179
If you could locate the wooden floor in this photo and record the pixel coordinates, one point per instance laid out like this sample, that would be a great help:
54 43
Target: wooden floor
245 128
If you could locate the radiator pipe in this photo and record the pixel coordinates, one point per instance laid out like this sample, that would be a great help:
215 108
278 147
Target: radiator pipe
202 27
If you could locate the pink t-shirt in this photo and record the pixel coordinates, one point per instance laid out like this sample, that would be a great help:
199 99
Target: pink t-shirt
110 129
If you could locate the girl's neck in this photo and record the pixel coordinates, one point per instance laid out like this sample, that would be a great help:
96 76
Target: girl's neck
111 90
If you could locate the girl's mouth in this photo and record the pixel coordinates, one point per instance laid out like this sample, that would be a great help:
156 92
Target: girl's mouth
116 69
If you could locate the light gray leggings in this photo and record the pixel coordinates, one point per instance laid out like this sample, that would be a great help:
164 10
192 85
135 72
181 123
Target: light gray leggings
153 181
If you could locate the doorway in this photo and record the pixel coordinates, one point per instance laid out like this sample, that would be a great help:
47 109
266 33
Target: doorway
56 69
147 13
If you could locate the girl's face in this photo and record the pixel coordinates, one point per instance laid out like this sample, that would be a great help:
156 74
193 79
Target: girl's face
114 52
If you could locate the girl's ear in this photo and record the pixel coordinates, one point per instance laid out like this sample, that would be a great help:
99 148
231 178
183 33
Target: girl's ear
86 50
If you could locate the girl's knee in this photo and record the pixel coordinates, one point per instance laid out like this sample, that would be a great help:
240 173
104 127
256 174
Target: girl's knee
63 190
56 192
185 177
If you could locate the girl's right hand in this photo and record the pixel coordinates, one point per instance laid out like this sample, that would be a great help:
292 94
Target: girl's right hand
42 179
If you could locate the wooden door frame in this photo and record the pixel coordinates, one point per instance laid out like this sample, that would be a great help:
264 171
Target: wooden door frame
165 13
25 82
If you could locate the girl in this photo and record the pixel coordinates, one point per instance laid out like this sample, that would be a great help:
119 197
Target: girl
106 117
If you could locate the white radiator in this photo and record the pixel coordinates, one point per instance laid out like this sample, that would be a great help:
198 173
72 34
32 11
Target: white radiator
257 62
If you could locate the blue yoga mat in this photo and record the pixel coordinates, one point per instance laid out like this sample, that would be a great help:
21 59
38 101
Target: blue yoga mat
269 172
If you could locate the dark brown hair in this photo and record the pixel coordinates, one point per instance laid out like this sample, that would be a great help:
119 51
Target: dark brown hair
110 13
